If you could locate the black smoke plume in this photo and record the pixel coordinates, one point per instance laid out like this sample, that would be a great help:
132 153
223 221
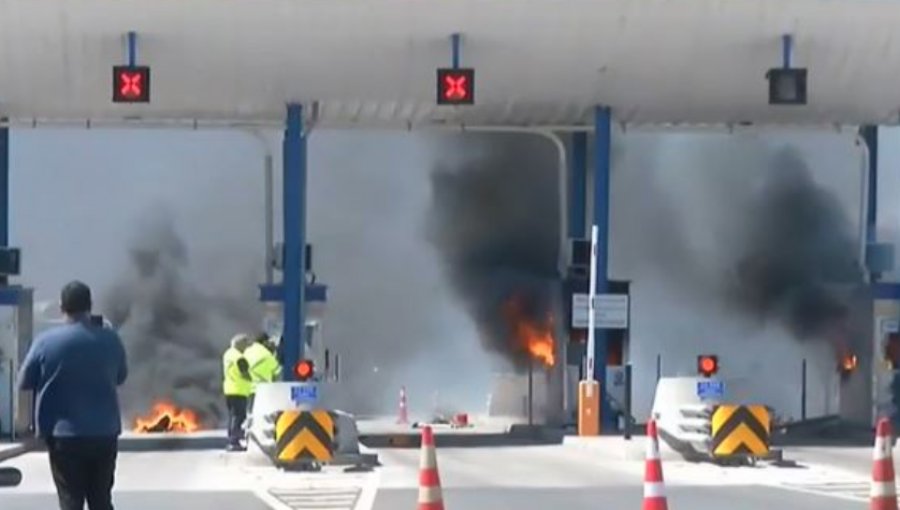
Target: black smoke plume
800 263
495 221
174 333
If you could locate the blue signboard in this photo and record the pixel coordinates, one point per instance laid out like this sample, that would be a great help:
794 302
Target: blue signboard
305 394
710 390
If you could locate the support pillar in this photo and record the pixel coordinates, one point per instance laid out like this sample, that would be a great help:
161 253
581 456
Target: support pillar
870 136
874 256
876 371
577 185
4 186
294 225
601 202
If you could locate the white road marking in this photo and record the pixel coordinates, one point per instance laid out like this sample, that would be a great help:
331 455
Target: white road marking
369 491
338 498
270 500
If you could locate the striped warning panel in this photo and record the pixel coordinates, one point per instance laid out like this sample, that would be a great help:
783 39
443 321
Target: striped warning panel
304 435
330 498
738 430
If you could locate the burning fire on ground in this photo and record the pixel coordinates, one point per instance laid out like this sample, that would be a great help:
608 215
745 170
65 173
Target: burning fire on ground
166 417
532 336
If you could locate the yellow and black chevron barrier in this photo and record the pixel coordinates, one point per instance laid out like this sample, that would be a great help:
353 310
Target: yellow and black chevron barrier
304 436
740 431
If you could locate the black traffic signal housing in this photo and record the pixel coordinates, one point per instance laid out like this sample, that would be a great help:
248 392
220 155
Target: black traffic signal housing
707 365
787 86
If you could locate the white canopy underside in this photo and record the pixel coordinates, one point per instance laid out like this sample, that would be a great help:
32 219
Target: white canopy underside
372 62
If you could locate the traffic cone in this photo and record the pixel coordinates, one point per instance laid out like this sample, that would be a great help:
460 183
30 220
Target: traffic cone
654 487
402 414
883 493
430 496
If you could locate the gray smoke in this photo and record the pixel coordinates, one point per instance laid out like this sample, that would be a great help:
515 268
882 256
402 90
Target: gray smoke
748 227
801 261
495 221
736 223
173 332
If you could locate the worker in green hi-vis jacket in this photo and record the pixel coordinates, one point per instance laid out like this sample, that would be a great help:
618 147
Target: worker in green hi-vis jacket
237 385
264 366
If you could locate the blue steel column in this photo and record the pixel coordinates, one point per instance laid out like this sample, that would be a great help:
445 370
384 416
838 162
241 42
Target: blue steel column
602 163
870 137
294 225
4 186
577 185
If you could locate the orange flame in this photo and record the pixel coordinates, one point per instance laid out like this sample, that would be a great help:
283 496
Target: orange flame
534 337
849 362
166 417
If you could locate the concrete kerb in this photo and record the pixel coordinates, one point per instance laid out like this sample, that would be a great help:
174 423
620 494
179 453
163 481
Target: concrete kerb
191 441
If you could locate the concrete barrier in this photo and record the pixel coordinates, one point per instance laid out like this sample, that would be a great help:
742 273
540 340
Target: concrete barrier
9 451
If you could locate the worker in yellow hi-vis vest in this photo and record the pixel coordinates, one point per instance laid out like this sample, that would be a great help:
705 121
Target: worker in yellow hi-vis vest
264 366
237 386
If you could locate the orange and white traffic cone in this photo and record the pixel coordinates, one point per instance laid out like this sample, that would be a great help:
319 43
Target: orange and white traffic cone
430 496
654 487
883 493
402 413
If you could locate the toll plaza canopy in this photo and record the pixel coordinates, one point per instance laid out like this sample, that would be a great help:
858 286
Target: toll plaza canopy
538 62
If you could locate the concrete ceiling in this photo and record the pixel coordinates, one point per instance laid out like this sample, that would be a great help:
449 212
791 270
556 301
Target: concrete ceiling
372 62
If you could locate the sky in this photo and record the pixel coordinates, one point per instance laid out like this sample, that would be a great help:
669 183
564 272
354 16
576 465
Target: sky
77 196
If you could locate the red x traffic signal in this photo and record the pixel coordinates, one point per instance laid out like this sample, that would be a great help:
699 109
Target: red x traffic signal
131 84
455 86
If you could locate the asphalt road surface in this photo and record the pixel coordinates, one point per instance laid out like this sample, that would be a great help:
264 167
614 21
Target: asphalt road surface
620 498
148 500
557 477
484 478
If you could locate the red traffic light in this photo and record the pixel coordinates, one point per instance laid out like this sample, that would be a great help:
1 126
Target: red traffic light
131 84
707 365
304 369
455 86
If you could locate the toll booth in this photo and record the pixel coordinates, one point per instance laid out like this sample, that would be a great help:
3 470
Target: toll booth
614 320
886 349
16 333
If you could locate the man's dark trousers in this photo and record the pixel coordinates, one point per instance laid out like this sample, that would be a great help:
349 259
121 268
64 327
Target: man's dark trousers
84 471
237 414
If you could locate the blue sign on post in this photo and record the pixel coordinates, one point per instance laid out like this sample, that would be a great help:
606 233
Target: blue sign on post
710 389
305 394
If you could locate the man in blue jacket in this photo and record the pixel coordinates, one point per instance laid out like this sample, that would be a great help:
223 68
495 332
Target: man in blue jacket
74 371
